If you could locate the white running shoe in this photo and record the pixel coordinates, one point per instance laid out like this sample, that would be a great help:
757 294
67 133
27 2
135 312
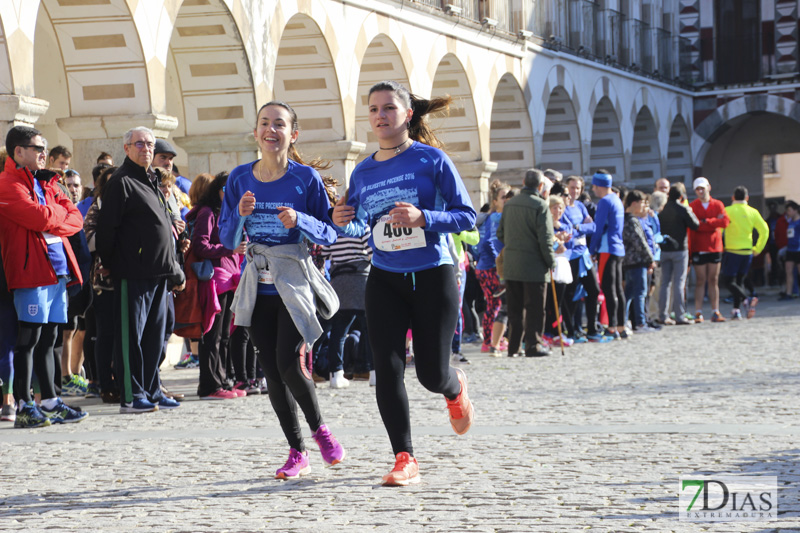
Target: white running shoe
338 381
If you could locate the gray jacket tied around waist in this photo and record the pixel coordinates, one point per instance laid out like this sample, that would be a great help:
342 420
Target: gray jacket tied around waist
301 286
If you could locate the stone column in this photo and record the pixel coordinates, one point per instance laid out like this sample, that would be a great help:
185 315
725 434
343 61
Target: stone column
215 153
94 134
475 175
342 154
19 110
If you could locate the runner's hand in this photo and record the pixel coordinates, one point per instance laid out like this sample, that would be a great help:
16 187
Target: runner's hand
407 215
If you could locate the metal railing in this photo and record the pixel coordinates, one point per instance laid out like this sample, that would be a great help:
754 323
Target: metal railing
584 28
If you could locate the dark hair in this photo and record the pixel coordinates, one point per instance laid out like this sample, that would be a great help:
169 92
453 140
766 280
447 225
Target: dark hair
485 208
675 192
330 184
740 193
97 170
602 171
211 197
495 187
533 177
19 136
633 197
318 163
102 179
575 178
58 151
418 128
103 155
512 192
792 204
558 189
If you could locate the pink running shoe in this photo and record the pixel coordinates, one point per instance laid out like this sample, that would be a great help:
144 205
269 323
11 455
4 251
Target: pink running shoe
332 452
220 394
297 465
486 348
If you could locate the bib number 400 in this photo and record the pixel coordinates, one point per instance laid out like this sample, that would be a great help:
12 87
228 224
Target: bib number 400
389 231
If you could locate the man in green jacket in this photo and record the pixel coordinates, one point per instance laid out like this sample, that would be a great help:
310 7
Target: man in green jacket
526 230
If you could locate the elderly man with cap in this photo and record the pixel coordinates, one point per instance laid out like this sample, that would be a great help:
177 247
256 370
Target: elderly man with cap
163 156
705 248
607 243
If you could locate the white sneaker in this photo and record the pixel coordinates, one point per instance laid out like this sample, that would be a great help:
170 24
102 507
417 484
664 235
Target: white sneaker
371 378
338 381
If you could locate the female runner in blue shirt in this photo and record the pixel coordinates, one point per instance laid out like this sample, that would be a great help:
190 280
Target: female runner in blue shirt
279 200
411 195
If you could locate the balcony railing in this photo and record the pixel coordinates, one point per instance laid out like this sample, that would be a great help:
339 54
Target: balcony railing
584 28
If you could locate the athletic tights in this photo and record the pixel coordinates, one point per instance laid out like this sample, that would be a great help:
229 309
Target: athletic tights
426 302
275 336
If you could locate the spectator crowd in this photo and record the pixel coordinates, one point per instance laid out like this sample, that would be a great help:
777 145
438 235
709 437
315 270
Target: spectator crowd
98 274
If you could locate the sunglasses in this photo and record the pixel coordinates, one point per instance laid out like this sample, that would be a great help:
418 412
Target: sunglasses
39 148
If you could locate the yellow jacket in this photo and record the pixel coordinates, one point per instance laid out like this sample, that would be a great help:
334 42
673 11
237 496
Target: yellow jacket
738 235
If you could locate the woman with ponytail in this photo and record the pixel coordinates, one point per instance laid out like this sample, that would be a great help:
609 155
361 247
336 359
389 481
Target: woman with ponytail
410 194
279 202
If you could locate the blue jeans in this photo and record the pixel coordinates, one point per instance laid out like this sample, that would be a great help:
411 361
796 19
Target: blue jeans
341 324
460 324
635 293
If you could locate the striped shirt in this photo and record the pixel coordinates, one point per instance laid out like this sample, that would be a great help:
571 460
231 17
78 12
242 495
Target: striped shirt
349 249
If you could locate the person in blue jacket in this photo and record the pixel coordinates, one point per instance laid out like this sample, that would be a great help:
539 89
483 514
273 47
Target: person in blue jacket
279 201
607 243
410 194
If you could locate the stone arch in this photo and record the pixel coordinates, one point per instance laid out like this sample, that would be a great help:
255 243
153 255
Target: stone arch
381 61
644 98
511 133
604 88
104 61
718 122
607 151
305 77
209 87
679 152
558 77
645 150
561 139
459 129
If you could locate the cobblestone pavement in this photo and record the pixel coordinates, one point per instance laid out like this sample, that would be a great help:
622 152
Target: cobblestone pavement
595 439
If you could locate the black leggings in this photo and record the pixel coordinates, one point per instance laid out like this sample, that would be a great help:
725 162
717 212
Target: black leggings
34 352
590 285
428 303
613 289
275 336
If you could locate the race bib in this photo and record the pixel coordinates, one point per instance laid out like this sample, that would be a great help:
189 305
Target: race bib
389 239
265 277
49 238
790 233
580 241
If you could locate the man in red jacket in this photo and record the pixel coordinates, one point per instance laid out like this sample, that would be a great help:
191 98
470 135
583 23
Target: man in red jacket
36 217
705 247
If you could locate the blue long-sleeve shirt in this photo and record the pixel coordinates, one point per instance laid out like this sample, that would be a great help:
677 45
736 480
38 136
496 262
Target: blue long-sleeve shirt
489 247
301 188
581 232
425 177
609 221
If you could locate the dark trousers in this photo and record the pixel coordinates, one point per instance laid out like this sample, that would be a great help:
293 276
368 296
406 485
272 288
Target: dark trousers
275 336
426 302
105 312
34 352
528 298
592 288
341 324
242 355
214 349
613 290
141 306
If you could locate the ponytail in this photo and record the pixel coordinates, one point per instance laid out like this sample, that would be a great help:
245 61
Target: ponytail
418 128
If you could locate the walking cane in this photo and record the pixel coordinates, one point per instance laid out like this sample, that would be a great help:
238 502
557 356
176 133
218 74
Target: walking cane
558 314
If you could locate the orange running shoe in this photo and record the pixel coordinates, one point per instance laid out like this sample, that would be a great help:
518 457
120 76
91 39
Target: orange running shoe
461 411
717 317
405 471
698 318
